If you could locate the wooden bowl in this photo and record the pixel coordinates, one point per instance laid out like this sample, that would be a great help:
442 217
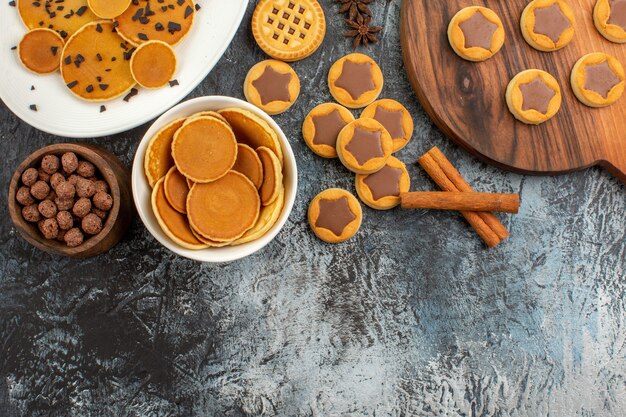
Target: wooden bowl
118 220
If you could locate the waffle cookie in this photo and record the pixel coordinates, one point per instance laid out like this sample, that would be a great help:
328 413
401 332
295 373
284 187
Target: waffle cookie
289 30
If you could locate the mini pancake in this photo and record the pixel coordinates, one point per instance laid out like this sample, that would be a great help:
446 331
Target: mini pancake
168 21
176 190
209 242
158 159
205 149
272 176
252 130
108 9
174 224
40 51
267 219
208 114
223 210
41 14
249 164
96 63
153 64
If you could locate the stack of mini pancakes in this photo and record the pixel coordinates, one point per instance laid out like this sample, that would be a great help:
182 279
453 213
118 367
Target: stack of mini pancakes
216 178
104 47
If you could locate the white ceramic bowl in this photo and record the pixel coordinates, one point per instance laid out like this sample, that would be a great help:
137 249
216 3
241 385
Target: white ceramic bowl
142 191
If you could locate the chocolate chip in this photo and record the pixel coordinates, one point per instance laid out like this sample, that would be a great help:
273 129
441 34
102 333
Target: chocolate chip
33 107
173 83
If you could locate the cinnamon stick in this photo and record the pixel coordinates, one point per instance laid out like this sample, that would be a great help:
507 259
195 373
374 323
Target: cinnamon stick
458 201
487 226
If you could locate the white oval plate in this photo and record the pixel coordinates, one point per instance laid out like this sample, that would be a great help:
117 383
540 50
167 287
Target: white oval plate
142 192
60 113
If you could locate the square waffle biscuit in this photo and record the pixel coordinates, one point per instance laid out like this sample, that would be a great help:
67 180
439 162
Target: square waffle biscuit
289 30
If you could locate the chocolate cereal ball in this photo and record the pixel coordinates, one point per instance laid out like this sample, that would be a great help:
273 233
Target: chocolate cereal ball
69 160
65 220
85 188
47 209
49 228
74 237
23 196
50 164
103 201
100 213
40 190
31 213
66 190
61 235
101 186
86 169
82 207
73 179
52 195
43 175
56 179
64 203
91 224
29 177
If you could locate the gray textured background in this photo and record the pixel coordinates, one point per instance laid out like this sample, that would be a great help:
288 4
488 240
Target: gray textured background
412 317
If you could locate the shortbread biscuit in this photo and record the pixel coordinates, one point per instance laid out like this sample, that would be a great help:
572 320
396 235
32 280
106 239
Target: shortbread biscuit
548 25
381 190
609 16
321 128
335 215
355 80
364 146
396 119
476 33
533 96
273 86
598 80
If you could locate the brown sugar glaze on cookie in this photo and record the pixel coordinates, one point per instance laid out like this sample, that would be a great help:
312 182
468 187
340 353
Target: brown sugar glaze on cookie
537 96
392 120
273 86
365 145
600 78
356 78
335 215
384 183
478 31
618 13
551 21
327 128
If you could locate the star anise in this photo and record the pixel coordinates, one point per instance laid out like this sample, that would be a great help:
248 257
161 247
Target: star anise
355 7
361 31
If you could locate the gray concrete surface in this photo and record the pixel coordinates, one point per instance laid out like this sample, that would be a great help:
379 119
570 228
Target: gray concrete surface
414 317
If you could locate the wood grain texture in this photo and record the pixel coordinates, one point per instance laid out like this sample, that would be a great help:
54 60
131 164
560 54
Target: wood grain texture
467 100
120 216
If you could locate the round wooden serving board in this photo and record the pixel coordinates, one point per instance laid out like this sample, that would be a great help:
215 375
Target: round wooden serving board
467 100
